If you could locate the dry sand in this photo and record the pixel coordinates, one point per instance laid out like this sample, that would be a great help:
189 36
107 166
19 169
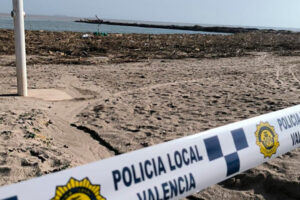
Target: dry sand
116 108
95 98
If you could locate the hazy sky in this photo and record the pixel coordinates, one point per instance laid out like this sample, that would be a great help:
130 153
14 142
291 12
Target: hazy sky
275 13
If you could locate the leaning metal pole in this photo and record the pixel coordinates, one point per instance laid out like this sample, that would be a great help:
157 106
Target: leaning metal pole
18 15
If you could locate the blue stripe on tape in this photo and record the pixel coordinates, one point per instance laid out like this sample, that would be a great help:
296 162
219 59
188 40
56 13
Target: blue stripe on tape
214 151
11 198
213 148
233 163
239 139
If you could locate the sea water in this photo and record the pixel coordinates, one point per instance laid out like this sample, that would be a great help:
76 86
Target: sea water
67 24
62 23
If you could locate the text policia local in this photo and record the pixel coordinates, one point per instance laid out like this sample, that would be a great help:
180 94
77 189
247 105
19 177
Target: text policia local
148 169
288 122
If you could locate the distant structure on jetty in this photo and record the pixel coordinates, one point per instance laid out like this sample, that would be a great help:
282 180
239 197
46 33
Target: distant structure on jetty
218 29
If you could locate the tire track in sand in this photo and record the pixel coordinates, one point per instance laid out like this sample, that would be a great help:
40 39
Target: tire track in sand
291 71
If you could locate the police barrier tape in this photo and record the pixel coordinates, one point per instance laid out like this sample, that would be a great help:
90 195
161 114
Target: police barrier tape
174 169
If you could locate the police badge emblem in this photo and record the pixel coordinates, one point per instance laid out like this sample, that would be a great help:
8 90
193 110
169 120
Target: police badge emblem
266 139
74 189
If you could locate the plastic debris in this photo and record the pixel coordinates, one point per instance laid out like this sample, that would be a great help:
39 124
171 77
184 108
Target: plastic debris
86 35
100 34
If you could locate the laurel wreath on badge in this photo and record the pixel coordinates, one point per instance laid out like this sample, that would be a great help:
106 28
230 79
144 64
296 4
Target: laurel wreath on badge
266 139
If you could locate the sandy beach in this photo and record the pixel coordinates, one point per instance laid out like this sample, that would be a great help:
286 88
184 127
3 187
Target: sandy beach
120 93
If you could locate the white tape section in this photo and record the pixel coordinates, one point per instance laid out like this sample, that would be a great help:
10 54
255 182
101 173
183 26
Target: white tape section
174 169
